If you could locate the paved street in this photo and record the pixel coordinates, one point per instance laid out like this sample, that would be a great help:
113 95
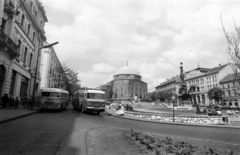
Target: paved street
46 132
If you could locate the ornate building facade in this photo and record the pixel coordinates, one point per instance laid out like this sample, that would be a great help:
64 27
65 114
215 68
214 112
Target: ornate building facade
21 35
198 82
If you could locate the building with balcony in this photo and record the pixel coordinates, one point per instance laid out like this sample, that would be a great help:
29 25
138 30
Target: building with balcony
200 80
231 87
21 35
52 72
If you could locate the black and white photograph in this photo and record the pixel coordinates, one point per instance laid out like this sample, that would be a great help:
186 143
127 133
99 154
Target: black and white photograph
119 77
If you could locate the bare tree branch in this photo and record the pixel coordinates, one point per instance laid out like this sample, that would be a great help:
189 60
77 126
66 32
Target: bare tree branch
233 40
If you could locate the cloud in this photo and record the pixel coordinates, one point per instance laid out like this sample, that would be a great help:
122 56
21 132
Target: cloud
154 36
103 68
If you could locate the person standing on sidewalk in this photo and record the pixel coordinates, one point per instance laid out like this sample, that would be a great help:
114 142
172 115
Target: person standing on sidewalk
30 103
5 101
11 102
16 102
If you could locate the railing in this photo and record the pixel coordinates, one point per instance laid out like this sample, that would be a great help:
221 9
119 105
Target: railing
8 9
210 120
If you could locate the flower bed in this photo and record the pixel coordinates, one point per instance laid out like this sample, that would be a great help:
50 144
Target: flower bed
150 145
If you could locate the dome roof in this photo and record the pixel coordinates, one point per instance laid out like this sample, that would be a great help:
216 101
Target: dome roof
127 70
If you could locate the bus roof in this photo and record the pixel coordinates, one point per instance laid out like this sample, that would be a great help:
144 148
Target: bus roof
95 91
43 89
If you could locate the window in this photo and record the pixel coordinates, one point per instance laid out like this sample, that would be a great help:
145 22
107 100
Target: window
22 20
31 4
36 13
30 60
234 92
51 94
96 96
28 30
33 36
19 46
229 93
25 55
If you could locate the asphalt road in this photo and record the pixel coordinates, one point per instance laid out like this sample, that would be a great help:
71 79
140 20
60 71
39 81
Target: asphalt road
43 133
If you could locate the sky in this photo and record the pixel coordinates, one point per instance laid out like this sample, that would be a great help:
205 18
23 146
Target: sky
96 38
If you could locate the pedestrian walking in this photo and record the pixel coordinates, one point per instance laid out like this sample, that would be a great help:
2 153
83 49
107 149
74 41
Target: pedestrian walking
25 102
16 102
5 99
11 102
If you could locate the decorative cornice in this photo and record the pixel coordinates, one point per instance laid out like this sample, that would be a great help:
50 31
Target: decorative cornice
39 29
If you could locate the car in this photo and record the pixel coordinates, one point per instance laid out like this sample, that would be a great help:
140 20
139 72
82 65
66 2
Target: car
214 112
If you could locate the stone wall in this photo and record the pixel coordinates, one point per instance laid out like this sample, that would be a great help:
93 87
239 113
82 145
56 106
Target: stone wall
179 119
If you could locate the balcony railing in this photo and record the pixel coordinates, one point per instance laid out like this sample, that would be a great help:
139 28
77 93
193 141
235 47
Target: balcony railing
8 8
9 44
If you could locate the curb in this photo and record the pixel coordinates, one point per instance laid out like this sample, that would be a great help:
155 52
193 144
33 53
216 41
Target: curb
17 117
171 123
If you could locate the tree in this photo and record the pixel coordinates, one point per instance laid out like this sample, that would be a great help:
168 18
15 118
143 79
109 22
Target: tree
63 76
164 95
153 96
233 40
215 93
72 81
57 76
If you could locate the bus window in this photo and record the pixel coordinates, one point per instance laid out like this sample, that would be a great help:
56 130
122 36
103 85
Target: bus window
50 94
95 96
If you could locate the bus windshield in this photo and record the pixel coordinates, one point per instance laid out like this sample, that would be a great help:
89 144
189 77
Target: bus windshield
51 94
95 96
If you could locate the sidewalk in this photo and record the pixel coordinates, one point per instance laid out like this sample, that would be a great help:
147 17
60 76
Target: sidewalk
12 114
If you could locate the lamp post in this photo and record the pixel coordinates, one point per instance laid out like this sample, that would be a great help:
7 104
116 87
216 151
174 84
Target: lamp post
36 70
173 99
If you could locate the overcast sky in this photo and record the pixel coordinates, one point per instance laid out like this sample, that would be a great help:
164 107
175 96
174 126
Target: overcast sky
97 37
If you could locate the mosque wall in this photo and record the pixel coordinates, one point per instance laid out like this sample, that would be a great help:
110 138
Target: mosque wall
128 88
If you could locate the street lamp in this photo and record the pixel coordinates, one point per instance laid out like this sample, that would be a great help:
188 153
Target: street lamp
36 69
173 99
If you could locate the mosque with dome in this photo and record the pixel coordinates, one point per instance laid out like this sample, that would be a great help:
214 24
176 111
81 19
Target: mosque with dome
127 85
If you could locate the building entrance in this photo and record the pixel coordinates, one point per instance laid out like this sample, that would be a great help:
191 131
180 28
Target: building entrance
2 77
24 86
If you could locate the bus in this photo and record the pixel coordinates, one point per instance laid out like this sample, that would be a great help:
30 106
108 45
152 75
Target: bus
92 100
52 98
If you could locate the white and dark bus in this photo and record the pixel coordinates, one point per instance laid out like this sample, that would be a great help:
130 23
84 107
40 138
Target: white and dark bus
92 100
52 98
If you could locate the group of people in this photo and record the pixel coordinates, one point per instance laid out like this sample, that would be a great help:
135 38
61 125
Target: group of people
11 103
